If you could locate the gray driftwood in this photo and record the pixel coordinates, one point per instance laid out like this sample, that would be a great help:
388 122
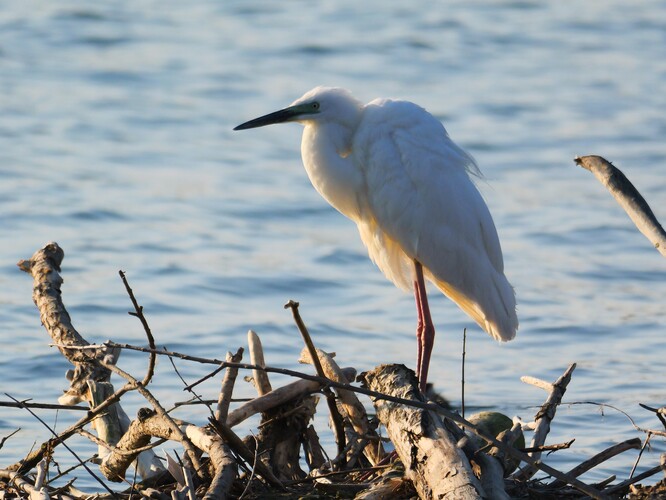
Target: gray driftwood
44 267
544 416
147 425
432 459
628 197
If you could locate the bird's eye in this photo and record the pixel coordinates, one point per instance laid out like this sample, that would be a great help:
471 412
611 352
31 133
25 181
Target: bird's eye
315 105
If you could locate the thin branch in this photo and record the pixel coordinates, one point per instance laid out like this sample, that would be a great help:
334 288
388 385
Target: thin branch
640 454
226 390
550 447
62 441
543 418
5 438
42 406
592 462
462 380
338 424
35 456
234 442
151 340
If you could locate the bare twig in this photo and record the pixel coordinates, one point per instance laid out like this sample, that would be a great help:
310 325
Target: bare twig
42 406
5 438
640 454
144 322
659 412
592 462
338 425
543 418
62 441
462 380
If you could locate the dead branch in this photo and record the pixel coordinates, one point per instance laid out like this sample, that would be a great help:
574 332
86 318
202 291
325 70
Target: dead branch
279 396
236 443
355 411
44 267
628 197
338 425
138 313
175 428
629 444
149 424
543 418
260 377
226 391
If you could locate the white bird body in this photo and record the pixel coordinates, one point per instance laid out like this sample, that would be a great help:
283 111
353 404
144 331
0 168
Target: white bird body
391 167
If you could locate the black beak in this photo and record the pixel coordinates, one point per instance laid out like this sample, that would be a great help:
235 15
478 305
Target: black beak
284 115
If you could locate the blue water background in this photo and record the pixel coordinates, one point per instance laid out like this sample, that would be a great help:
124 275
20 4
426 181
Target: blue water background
116 142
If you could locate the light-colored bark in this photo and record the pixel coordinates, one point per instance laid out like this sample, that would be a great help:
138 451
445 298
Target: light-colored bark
432 459
628 198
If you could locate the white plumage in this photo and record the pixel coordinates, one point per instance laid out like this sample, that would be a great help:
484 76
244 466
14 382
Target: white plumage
391 167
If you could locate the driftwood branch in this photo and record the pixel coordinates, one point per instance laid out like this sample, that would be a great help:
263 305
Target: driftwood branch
277 397
227 388
629 444
543 418
260 377
336 419
149 424
423 443
628 197
44 267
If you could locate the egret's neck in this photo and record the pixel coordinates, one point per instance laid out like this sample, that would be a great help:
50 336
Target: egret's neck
326 149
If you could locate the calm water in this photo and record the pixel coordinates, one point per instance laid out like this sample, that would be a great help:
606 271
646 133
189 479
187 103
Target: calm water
116 142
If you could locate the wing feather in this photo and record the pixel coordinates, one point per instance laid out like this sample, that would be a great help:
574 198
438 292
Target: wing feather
421 204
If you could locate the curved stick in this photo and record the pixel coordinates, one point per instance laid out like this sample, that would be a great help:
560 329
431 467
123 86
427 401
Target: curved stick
628 197
44 267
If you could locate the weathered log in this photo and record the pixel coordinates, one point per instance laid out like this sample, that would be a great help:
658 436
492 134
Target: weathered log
432 459
628 197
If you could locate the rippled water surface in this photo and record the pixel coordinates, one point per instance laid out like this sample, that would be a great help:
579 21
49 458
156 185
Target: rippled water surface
116 142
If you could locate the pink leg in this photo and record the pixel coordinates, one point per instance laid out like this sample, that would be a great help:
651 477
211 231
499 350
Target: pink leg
425 329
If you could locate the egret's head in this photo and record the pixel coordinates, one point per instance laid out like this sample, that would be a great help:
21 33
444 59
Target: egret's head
319 104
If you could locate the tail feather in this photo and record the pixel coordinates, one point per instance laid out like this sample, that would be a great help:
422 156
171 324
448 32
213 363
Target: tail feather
497 317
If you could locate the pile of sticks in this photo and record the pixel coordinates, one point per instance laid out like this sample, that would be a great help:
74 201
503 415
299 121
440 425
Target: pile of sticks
437 452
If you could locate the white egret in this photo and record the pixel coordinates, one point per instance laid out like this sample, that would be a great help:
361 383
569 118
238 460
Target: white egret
391 167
